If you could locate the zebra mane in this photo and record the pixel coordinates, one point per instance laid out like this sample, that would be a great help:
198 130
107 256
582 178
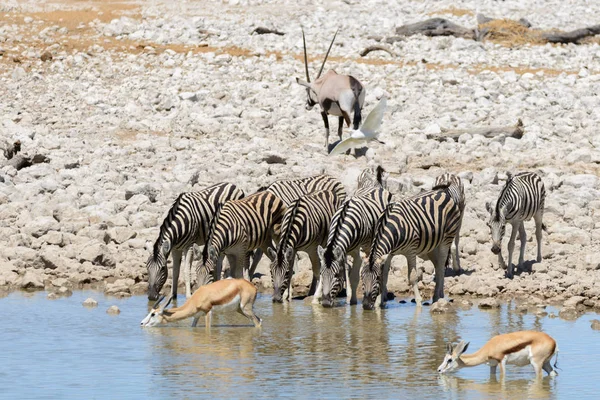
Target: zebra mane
288 231
211 232
440 186
378 232
261 189
164 226
334 232
504 189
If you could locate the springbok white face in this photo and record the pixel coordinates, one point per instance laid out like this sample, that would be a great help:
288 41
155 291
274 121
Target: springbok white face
497 225
451 360
155 316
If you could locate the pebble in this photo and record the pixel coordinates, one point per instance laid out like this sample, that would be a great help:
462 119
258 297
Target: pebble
89 302
113 310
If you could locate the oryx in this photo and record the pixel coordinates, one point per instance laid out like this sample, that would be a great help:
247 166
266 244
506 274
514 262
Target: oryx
336 94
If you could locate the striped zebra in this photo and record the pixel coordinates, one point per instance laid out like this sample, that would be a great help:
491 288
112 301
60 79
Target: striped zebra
521 199
457 191
238 228
352 230
290 190
424 226
305 226
186 223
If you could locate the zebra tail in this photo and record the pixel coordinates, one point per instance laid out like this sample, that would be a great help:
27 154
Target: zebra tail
380 172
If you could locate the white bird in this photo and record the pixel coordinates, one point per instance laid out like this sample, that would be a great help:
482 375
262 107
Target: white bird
368 131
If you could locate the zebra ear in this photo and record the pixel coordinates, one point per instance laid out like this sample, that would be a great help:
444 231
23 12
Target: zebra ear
166 247
320 251
337 253
488 207
212 252
289 252
271 253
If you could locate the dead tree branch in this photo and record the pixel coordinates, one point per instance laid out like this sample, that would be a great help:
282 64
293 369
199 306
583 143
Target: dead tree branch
264 31
376 48
489 132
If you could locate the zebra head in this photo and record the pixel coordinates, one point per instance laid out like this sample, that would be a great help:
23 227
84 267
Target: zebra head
157 268
282 262
332 273
371 278
207 268
497 225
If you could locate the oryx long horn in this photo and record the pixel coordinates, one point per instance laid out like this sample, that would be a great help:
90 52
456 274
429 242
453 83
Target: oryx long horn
327 54
161 298
305 57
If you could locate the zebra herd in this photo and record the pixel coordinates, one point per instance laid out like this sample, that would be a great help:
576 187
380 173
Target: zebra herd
313 215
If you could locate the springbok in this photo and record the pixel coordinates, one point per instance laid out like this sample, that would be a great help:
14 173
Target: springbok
337 95
221 294
517 348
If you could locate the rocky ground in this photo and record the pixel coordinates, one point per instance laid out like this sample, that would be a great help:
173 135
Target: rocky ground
132 103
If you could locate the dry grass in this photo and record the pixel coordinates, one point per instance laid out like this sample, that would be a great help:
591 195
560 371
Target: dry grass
510 33
457 12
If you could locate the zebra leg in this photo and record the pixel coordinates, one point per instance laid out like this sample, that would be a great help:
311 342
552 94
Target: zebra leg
219 267
438 258
384 279
232 260
511 248
455 254
538 234
258 253
340 127
316 283
523 237
187 270
177 254
412 277
326 122
354 276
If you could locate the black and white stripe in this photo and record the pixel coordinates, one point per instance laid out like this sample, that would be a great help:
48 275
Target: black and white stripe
423 226
521 199
186 223
292 189
457 191
352 230
238 228
305 226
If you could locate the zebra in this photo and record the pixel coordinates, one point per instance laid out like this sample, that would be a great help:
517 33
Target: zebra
424 226
186 223
305 226
457 191
350 231
238 228
521 198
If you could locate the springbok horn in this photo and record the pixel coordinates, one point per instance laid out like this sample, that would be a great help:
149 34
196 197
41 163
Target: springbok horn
161 298
168 301
327 54
305 57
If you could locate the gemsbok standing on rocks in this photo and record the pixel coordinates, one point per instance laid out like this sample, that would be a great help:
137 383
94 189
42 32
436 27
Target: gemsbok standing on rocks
223 294
337 95
521 198
187 222
424 226
239 228
517 348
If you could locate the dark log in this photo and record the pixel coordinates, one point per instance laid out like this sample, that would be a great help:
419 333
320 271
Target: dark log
435 27
21 161
376 48
489 132
264 31
573 36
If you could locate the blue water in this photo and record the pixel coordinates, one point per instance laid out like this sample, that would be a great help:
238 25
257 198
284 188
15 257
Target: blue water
60 349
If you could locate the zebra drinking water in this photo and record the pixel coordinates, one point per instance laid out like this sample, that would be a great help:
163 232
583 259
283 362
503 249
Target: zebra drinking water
186 223
424 226
352 230
305 226
521 198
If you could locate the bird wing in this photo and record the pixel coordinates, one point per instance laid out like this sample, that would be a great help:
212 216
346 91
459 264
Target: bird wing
346 145
370 128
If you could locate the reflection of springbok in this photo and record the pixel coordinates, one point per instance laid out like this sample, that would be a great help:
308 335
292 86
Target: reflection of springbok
218 295
518 348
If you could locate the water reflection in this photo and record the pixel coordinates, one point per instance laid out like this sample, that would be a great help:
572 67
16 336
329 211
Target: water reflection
301 351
